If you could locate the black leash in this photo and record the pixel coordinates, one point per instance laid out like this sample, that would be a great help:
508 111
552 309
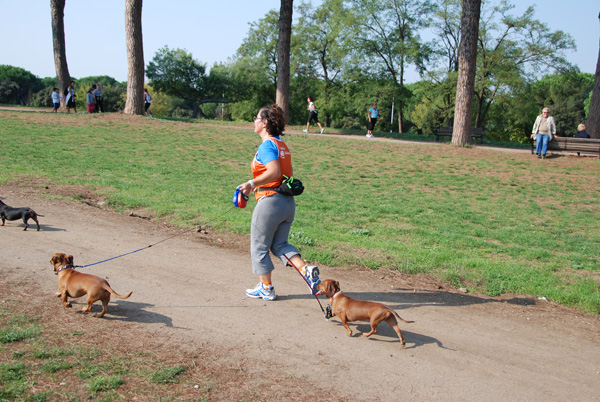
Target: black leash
197 228
326 313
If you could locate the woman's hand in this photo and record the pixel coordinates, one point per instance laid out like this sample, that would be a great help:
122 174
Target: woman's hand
246 188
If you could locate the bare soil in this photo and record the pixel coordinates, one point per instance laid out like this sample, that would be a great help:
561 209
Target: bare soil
188 296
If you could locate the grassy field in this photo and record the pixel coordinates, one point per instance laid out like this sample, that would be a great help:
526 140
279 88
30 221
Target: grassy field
492 221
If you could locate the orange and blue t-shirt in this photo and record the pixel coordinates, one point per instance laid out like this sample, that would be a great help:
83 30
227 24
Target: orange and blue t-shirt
268 151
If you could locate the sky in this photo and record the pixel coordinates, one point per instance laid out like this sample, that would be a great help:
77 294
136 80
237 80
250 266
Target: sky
211 31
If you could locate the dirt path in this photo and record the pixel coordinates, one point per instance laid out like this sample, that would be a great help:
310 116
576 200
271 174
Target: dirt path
461 348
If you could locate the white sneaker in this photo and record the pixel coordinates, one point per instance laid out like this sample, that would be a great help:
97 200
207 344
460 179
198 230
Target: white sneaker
305 131
311 274
260 292
322 130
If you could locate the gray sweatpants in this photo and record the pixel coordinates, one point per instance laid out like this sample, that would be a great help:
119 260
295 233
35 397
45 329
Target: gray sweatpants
271 223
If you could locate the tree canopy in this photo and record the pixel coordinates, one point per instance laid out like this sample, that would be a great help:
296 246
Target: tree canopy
347 54
176 73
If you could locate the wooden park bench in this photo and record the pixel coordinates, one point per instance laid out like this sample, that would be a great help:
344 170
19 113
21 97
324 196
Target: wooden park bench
445 131
570 144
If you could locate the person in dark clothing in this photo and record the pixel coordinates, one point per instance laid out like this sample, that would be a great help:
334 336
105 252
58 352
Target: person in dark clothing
97 91
581 132
20 96
70 97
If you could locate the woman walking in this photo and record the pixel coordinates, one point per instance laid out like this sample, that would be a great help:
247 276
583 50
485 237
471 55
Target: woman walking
274 212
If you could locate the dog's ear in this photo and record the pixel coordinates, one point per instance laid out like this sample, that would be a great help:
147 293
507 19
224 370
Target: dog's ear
330 288
336 286
70 259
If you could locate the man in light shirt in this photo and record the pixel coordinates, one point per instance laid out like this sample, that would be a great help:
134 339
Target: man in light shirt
543 131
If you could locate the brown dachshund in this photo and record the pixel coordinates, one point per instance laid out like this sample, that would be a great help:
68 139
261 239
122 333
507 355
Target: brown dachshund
76 284
349 309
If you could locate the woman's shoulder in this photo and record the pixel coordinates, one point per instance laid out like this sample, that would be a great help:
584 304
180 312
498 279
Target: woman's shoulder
273 140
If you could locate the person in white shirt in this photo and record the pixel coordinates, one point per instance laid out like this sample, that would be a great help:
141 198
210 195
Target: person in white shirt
70 97
312 115
543 131
55 100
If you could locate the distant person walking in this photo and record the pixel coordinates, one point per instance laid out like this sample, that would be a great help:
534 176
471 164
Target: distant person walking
90 101
581 133
373 115
97 91
543 131
147 102
312 115
56 100
70 97
20 96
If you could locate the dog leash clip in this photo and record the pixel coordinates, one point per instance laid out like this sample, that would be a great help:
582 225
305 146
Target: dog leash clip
328 312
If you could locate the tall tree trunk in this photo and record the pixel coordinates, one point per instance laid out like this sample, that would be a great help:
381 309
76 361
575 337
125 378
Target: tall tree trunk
135 57
400 116
57 10
467 66
282 97
593 126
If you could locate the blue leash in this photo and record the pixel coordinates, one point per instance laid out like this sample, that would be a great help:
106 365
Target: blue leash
154 244
113 258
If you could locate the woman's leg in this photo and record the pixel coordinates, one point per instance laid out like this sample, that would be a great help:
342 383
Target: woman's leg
266 278
261 238
538 142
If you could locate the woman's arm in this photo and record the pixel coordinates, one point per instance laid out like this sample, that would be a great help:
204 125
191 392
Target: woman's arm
272 173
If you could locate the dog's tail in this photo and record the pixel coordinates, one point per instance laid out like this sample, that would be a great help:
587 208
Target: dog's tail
108 288
402 319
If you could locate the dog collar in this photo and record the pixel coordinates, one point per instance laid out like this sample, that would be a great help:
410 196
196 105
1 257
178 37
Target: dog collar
334 296
63 267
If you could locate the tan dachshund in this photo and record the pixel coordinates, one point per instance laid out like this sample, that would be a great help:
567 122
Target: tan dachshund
76 284
349 309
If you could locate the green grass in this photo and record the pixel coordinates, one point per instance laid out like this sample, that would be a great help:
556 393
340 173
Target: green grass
495 222
36 369
12 334
105 383
167 375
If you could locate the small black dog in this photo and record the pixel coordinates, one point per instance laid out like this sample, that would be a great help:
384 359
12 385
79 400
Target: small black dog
12 214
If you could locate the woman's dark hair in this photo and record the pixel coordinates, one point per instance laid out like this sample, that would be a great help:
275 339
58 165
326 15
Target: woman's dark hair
275 119
310 99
